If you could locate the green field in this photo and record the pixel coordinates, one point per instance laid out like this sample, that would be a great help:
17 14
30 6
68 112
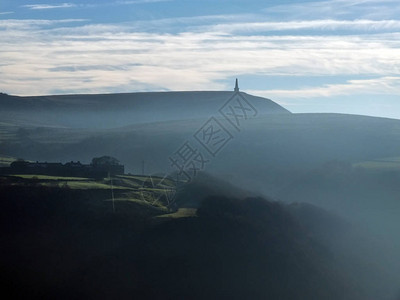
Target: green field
181 213
77 183
142 190
5 161
48 177
87 185
380 164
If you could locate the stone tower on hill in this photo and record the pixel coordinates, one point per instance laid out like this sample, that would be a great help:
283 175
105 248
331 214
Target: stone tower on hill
236 86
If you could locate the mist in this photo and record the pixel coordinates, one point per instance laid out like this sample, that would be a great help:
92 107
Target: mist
333 177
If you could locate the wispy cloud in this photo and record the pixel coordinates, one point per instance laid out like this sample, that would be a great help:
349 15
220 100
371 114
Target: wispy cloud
23 27
345 9
75 57
120 3
46 56
141 1
49 6
325 24
389 85
6 12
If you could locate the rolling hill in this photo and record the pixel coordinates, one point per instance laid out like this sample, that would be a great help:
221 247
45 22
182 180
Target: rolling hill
116 110
345 164
273 153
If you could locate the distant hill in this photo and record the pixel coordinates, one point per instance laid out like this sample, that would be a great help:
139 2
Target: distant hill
114 110
330 160
283 155
269 152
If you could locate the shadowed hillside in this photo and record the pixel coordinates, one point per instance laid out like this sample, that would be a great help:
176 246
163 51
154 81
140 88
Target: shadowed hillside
63 243
115 110
269 153
345 164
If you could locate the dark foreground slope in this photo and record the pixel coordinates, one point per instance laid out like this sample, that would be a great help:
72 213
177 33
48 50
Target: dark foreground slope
249 249
61 243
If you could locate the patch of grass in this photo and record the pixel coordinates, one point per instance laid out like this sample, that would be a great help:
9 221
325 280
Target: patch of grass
135 177
126 188
77 183
86 185
181 213
5 161
140 202
143 181
129 183
47 177
380 164
389 159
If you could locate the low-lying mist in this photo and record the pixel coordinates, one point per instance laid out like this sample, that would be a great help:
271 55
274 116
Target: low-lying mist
294 203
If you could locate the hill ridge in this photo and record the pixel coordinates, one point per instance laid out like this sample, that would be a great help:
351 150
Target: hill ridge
116 110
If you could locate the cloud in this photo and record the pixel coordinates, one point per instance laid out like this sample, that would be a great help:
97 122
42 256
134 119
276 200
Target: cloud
389 85
141 1
43 56
344 9
23 27
49 6
71 5
119 3
6 12
325 24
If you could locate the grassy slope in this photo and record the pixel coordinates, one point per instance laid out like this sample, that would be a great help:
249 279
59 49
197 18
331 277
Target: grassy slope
236 248
380 164
268 155
114 110
5 161
64 243
126 188
295 139
52 178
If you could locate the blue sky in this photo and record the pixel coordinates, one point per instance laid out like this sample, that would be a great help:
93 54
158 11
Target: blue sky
309 56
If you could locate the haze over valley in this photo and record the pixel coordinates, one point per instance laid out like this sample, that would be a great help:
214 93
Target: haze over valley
174 149
342 166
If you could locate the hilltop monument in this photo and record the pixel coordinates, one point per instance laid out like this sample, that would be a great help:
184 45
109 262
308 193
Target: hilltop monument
236 86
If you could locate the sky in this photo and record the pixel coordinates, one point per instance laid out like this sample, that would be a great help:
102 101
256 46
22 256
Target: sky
340 56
